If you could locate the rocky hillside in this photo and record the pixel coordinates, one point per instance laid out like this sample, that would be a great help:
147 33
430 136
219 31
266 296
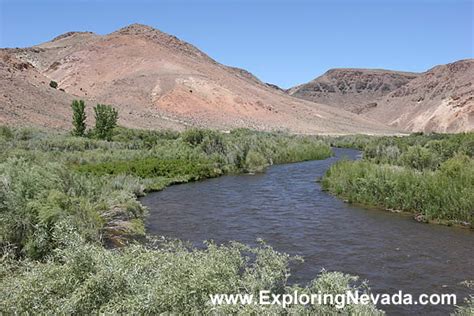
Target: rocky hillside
440 99
352 89
26 97
156 81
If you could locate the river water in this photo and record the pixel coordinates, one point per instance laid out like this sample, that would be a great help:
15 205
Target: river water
286 207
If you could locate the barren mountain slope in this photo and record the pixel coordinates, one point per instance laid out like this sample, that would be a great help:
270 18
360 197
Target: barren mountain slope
440 100
352 89
26 97
153 78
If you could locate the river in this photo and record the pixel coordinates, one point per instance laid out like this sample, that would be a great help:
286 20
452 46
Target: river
287 208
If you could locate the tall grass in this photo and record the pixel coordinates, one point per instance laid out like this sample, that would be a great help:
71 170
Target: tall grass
432 177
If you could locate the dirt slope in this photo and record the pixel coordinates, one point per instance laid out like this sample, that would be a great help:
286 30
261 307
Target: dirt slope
26 97
440 99
352 89
157 80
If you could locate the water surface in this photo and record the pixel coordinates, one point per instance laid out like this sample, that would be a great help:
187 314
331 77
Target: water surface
286 207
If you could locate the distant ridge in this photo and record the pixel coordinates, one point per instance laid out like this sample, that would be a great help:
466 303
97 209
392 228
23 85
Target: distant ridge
438 100
352 88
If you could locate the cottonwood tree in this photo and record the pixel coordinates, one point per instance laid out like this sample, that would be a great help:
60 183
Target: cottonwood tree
105 121
78 118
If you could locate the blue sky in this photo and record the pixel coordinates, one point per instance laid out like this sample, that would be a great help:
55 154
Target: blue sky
282 42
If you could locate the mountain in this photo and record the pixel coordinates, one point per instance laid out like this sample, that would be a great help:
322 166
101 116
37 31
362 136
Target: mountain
352 89
26 97
156 81
438 100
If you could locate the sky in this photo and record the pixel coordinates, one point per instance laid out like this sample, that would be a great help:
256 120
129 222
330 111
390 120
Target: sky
280 41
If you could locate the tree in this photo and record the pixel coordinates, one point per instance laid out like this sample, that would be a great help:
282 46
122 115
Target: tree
53 84
105 121
78 118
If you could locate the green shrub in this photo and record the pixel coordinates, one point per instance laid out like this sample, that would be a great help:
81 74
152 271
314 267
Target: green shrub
145 138
82 278
53 84
430 175
193 136
37 196
6 133
152 167
254 162
420 158
213 143
467 309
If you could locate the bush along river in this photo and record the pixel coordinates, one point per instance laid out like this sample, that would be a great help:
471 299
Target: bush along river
287 208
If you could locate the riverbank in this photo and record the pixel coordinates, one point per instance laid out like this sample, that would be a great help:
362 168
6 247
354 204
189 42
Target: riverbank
429 176
95 184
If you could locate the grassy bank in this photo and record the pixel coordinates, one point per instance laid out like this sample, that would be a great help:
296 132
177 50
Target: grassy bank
62 197
431 176
92 184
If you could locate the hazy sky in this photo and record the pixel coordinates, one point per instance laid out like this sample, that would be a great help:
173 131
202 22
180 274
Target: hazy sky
282 42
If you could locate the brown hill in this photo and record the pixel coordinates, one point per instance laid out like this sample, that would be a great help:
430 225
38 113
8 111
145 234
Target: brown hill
26 97
156 81
352 89
440 99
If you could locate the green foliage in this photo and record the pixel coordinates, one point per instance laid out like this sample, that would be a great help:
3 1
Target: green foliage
92 184
467 309
34 197
419 158
166 277
431 176
53 84
194 136
350 141
78 118
105 121
153 167
146 138
6 133
254 162
61 197
419 151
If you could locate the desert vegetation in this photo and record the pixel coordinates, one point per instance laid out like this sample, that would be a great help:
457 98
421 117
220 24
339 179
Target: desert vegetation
106 118
93 184
65 200
431 176
79 277
53 84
